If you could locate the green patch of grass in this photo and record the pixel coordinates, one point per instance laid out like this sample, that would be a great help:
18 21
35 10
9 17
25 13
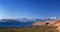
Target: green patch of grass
40 29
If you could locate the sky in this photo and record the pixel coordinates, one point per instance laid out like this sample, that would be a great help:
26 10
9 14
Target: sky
29 8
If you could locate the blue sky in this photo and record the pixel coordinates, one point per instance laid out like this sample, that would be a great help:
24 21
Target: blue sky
29 8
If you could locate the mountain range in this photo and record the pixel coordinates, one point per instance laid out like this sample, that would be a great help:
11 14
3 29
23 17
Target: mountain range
21 22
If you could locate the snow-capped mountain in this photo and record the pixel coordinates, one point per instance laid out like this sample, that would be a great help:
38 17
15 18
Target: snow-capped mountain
53 18
21 22
28 20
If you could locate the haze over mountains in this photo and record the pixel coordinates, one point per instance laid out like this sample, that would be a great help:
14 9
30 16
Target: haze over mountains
22 22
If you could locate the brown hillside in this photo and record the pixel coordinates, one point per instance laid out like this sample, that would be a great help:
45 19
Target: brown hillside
50 23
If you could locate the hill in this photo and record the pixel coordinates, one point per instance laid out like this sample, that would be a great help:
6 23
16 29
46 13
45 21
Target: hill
55 23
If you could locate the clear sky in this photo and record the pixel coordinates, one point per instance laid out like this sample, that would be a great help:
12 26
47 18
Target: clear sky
29 8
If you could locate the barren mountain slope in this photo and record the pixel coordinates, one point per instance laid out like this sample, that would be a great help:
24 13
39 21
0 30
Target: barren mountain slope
55 23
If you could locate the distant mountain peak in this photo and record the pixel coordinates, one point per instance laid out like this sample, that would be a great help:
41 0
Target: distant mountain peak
53 18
